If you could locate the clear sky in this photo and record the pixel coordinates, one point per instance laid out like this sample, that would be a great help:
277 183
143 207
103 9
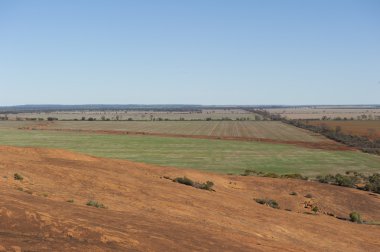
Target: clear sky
190 52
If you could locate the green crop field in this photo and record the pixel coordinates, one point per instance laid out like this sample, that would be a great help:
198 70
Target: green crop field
250 129
203 154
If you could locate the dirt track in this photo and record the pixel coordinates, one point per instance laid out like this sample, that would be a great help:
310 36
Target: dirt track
146 212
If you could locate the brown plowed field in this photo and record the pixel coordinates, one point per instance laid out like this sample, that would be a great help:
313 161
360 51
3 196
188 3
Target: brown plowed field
146 212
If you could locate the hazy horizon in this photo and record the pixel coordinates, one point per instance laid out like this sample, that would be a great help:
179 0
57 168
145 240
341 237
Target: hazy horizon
190 104
198 52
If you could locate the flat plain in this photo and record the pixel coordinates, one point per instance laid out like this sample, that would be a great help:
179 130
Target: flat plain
142 115
243 129
222 156
328 112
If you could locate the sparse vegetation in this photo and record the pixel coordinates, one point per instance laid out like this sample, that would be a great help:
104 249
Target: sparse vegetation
309 196
95 204
273 175
205 186
355 217
70 201
315 209
269 202
186 181
373 183
294 176
17 176
339 179
353 179
293 193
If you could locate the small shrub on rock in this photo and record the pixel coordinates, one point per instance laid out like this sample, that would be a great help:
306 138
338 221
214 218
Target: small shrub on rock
268 202
95 204
205 186
184 180
355 217
17 176
315 209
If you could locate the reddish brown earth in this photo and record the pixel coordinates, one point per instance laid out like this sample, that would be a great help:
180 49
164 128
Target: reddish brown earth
146 212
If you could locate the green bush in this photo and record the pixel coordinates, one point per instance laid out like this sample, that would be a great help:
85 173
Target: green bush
273 204
268 202
346 181
326 179
355 217
205 186
261 201
315 209
294 176
293 194
373 183
184 180
249 172
17 176
95 204
271 175
352 179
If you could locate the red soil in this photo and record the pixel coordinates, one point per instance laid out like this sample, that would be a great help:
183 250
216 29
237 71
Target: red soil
146 212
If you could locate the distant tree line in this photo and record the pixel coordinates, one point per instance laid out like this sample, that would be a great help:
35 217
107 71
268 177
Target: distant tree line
360 142
363 143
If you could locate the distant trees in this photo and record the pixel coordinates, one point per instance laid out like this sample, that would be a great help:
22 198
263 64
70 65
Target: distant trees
363 143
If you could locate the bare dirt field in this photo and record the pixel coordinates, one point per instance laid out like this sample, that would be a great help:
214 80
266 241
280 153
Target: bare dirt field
370 129
319 113
147 212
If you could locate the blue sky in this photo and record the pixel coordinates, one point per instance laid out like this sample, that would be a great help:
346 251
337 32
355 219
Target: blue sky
190 52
